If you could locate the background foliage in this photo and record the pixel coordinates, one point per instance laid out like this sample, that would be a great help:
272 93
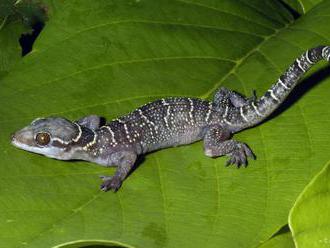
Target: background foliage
108 57
302 6
310 217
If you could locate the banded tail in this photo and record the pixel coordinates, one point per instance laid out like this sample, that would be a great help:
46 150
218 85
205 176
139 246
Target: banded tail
258 110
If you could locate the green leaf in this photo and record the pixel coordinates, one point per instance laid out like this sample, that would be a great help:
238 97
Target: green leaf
109 57
92 244
310 217
10 48
16 18
283 240
302 6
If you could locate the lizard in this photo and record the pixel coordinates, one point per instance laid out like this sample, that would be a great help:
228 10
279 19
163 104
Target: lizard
163 123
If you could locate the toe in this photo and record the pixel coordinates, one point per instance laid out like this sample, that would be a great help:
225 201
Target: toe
115 184
230 161
110 183
237 160
105 178
244 160
105 186
248 152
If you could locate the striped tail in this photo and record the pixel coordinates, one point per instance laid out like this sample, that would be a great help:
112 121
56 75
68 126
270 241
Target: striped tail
258 110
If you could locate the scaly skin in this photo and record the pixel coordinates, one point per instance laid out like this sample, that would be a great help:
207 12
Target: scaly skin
163 123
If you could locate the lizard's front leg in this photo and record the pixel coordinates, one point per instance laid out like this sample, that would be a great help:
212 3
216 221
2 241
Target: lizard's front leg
125 161
217 143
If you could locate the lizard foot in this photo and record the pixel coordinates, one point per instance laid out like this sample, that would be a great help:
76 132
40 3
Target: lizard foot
240 155
110 183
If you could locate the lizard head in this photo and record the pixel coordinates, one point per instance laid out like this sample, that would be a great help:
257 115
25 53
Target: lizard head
52 137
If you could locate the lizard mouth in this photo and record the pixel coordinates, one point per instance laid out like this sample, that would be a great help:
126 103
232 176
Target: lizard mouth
23 139
22 146
46 151
19 142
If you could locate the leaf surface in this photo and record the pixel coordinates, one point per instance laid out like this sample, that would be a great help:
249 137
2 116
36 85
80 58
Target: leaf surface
283 240
302 6
310 217
109 57
16 18
10 31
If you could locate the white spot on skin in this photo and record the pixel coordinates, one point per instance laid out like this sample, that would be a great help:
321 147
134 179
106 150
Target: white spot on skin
145 117
92 142
128 136
281 83
273 95
61 141
209 112
228 122
226 112
168 112
307 58
242 114
113 140
35 120
164 102
324 53
299 65
256 110
191 103
76 139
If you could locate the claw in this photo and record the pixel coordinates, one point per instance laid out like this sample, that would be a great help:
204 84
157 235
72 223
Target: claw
110 183
240 155
249 152
238 163
244 161
233 160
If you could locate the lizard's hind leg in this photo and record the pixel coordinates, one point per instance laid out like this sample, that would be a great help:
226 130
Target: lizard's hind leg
217 143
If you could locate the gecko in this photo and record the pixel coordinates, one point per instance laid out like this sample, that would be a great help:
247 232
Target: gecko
163 123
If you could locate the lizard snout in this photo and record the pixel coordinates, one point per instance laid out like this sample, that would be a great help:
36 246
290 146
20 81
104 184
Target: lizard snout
22 137
12 137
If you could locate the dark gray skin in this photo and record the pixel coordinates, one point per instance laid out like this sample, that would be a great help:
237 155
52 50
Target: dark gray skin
163 123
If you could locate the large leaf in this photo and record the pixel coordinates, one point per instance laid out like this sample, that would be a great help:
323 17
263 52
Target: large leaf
310 216
16 18
10 31
302 6
108 57
283 240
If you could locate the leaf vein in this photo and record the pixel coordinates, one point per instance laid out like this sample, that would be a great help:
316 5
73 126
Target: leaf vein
224 12
145 22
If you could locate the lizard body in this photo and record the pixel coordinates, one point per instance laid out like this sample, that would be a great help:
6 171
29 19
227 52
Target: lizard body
163 123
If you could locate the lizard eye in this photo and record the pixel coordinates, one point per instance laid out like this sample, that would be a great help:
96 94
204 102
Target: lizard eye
43 139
